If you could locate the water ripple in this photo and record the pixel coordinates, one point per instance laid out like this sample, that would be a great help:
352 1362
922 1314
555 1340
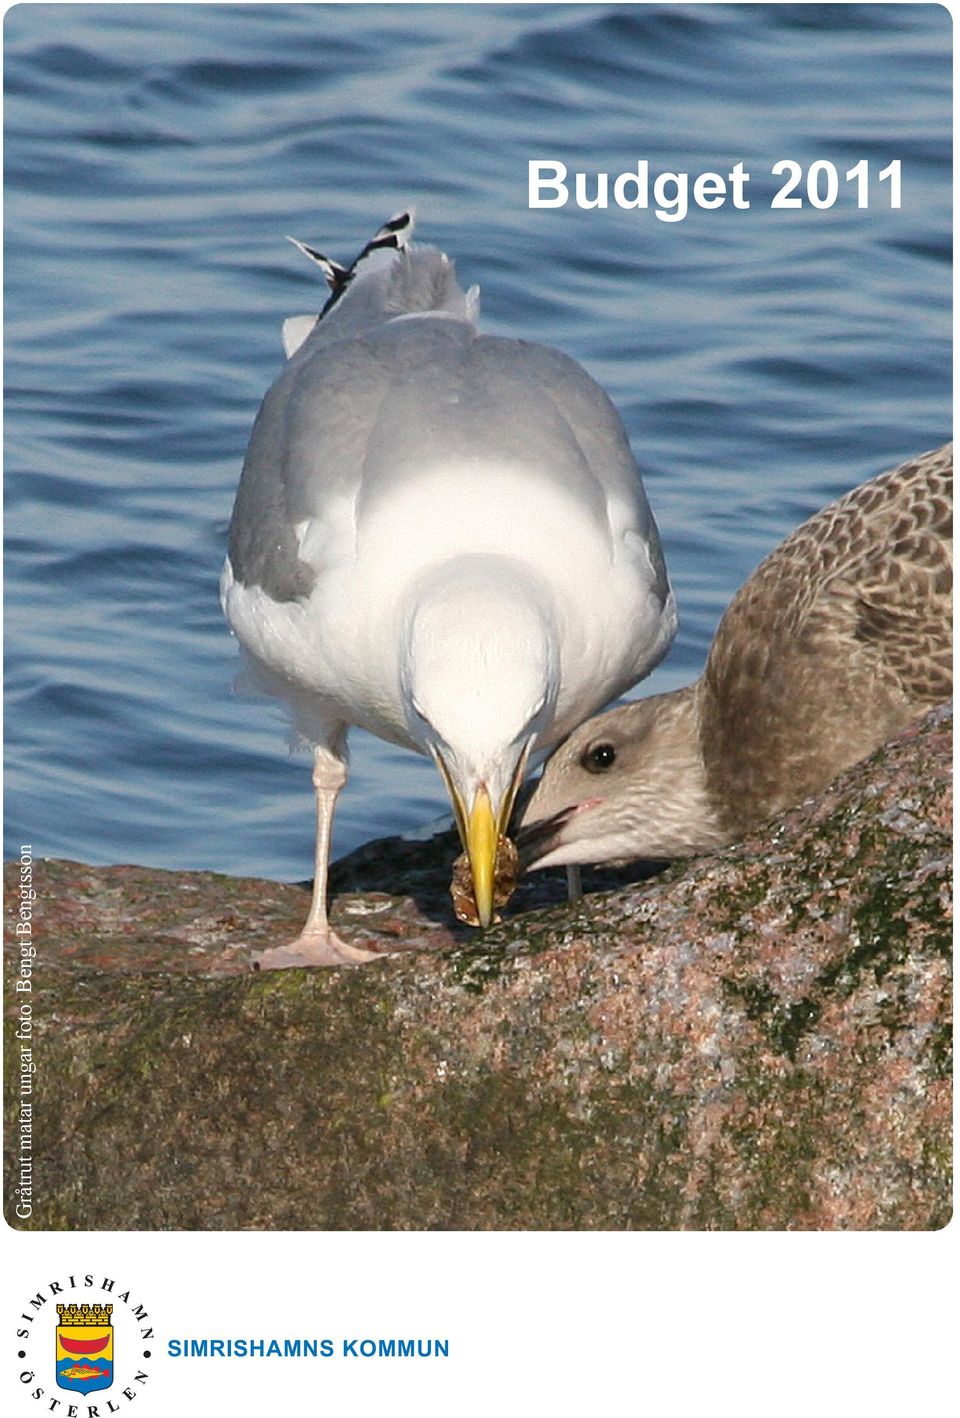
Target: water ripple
156 157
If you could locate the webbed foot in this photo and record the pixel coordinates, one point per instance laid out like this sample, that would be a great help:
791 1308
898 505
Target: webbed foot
314 949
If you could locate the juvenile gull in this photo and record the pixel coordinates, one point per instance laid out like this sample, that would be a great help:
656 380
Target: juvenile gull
439 536
838 639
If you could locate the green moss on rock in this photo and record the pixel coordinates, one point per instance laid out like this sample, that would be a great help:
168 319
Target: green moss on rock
755 1040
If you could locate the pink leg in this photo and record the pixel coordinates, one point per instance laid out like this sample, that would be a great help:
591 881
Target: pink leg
317 944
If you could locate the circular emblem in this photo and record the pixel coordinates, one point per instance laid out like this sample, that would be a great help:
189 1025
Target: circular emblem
83 1335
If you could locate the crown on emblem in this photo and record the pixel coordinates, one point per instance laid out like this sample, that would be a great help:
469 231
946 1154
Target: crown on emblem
98 1315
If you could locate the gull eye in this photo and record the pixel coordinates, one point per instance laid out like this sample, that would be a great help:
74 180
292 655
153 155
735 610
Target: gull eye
599 758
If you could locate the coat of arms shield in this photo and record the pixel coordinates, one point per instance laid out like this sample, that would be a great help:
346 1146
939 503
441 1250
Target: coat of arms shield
85 1347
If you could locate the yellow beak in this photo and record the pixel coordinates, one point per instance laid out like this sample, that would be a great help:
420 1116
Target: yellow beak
482 838
480 831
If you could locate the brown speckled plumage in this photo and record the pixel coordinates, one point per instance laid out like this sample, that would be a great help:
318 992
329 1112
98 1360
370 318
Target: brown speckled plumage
841 636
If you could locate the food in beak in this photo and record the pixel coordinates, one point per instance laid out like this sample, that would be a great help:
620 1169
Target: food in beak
506 873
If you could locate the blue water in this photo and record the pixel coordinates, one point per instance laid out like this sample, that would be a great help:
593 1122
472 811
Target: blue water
763 361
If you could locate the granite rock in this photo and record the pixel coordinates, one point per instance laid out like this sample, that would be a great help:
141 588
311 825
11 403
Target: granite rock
758 1039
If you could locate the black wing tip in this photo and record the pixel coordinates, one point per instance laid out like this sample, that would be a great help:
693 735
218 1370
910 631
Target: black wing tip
393 235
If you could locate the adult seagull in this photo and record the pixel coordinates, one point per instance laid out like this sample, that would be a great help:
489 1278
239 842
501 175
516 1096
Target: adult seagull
441 536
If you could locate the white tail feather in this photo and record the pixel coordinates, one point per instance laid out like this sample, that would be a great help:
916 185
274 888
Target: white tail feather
295 331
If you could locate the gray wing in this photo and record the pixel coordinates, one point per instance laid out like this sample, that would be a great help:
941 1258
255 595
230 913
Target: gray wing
309 438
347 418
